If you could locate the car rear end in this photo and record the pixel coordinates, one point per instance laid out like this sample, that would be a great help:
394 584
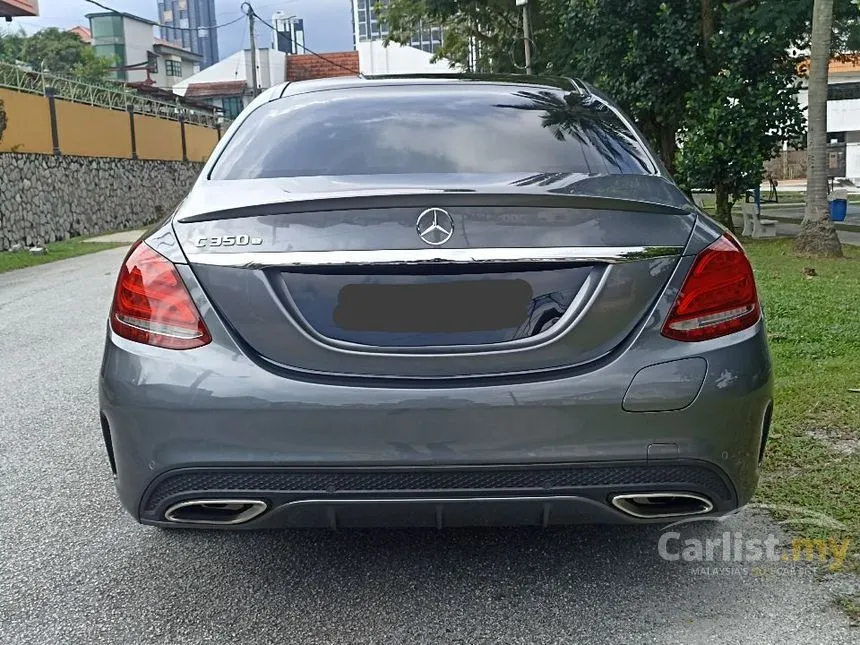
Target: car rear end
434 303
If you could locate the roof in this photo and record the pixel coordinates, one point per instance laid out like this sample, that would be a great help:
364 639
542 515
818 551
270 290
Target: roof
83 33
220 88
849 64
167 43
130 16
186 53
168 95
845 66
302 67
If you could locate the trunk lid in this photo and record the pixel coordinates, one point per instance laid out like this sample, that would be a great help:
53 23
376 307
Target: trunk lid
419 277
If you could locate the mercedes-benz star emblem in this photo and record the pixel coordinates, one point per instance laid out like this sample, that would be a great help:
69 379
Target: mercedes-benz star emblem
435 226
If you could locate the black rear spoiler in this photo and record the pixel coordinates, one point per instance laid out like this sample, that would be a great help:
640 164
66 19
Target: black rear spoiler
426 199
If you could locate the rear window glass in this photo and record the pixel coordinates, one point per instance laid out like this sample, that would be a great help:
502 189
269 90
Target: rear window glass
431 129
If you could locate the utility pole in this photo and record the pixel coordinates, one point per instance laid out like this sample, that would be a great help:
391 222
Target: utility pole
250 11
527 34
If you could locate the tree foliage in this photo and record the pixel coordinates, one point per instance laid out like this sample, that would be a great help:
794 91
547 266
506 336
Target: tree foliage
11 44
480 36
59 52
710 82
739 118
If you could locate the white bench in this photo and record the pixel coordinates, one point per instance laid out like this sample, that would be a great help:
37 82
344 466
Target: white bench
755 226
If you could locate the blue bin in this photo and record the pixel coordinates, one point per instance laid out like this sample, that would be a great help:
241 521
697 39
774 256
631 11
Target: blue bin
838 209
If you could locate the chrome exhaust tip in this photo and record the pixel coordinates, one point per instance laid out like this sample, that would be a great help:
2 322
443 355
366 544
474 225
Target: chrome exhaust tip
650 505
216 511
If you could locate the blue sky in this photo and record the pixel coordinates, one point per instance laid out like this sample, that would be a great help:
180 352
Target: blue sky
328 23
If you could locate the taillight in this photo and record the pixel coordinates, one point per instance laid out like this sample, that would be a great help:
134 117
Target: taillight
718 297
151 304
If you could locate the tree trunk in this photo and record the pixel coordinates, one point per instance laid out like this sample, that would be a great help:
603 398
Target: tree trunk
817 232
724 207
707 12
668 148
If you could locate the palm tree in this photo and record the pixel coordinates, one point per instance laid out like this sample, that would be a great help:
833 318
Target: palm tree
586 120
817 232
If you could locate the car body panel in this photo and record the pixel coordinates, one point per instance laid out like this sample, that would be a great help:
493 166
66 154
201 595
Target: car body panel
332 424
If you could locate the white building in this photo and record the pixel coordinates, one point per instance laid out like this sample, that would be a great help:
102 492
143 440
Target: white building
227 83
843 112
138 55
375 58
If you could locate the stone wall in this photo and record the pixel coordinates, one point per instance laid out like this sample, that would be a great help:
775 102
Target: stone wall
45 198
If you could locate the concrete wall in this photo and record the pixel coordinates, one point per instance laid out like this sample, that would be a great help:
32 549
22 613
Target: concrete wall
28 122
44 198
91 131
88 131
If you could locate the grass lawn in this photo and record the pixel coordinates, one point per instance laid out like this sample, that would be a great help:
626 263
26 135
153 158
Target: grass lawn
790 198
56 251
813 456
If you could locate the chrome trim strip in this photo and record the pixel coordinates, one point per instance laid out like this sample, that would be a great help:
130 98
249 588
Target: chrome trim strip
619 502
399 257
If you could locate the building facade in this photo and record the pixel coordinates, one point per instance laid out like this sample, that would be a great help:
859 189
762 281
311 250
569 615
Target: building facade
189 23
368 28
227 83
289 34
375 58
138 56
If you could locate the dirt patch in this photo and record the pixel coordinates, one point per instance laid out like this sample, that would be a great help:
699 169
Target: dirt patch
844 442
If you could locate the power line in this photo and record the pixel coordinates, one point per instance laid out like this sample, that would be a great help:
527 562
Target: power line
163 26
254 14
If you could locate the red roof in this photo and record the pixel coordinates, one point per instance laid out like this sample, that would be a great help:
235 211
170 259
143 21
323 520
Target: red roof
304 67
221 88
83 33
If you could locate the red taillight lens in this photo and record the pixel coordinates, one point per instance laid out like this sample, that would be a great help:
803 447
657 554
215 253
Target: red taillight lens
151 304
718 297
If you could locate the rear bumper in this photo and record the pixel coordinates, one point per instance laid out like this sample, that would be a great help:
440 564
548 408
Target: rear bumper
535 494
172 416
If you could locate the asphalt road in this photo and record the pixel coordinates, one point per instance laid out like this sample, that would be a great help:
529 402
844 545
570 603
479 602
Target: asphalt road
76 569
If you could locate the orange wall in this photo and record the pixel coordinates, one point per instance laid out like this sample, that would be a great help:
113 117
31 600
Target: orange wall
89 131
157 138
28 123
199 141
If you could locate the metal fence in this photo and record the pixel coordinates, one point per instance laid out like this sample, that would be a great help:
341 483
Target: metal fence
792 164
114 96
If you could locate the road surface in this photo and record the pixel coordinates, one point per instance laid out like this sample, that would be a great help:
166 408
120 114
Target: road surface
76 569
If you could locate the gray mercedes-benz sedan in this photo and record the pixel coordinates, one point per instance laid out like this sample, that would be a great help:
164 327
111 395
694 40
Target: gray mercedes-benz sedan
434 302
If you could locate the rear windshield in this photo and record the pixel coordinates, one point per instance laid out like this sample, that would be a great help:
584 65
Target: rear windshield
431 129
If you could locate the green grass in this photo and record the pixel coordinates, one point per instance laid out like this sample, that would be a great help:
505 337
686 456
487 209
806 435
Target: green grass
56 251
813 456
786 198
850 606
